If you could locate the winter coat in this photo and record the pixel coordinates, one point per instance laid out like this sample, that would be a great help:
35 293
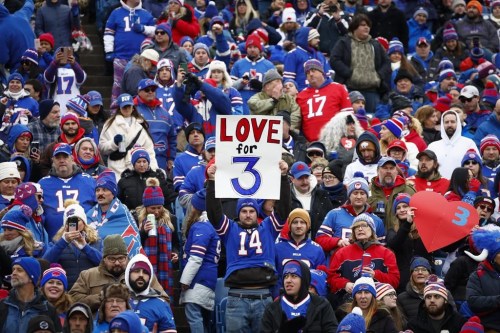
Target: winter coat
369 170
262 104
483 295
456 59
468 29
450 151
340 61
490 126
131 186
416 31
389 24
430 135
120 126
58 19
17 36
405 248
382 322
72 259
187 25
320 206
346 263
378 193
329 29
15 315
87 288
173 52
452 322
319 317
90 324
458 274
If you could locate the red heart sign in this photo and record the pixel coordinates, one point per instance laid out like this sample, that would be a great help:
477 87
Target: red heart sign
347 143
439 222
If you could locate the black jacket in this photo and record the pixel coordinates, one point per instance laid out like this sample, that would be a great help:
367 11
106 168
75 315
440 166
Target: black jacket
382 323
389 24
131 186
340 61
319 317
320 206
453 321
458 274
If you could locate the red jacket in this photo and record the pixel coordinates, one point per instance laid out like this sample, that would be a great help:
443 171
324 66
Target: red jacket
439 185
415 138
185 26
345 265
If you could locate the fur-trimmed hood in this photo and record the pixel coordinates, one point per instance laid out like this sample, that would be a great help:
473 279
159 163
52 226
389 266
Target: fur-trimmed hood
335 129
137 258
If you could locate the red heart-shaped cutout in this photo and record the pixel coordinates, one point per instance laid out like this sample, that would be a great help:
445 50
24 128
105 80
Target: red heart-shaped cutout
439 222
347 143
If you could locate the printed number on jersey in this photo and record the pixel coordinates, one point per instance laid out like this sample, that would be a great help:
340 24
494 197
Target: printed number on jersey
315 106
63 195
254 242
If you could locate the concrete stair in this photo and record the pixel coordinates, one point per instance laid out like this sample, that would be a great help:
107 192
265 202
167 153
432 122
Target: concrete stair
99 73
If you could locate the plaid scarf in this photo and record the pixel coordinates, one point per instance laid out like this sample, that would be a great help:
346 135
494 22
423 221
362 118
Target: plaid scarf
158 249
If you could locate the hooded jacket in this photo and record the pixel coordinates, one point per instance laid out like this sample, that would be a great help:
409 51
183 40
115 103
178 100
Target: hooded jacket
452 321
133 321
369 170
295 59
450 151
149 304
319 314
90 323
14 133
17 35
58 19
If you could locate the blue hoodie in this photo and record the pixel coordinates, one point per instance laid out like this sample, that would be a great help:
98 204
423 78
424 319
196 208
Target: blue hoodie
27 166
17 35
14 133
131 319
295 59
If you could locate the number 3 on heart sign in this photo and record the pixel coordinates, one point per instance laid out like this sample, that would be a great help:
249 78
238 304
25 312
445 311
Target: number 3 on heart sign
250 163
462 217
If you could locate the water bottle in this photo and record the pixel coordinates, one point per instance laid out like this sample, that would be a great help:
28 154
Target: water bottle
380 207
366 260
151 218
121 147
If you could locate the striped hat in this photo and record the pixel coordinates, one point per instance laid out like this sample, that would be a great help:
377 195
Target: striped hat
488 141
395 45
78 104
17 218
395 125
55 272
449 33
383 289
446 73
436 288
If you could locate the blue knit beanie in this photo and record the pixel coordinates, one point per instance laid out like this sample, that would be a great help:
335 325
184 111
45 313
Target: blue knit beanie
16 76
420 262
401 197
107 180
246 202
364 283
31 266
471 154
353 322
55 272
198 200
318 281
137 153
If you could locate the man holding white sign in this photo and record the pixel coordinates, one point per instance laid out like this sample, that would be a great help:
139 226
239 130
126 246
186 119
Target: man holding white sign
250 253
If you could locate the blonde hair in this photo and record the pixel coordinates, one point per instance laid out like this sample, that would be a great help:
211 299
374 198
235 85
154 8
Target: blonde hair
372 309
63 303
163 220
246 18
91 235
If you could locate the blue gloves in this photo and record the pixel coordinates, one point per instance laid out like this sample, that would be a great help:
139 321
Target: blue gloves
118 138
110 56
137 27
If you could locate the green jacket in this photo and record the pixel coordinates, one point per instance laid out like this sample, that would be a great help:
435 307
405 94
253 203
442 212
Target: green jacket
262 104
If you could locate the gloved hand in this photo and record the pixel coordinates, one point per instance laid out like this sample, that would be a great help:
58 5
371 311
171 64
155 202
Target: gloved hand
110 56
137 27
255 84
118 138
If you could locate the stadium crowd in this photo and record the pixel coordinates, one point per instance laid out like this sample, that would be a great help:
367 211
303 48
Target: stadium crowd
109 218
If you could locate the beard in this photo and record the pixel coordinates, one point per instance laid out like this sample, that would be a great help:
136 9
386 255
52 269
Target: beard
450 131
424 174
139 288
116 271
436 311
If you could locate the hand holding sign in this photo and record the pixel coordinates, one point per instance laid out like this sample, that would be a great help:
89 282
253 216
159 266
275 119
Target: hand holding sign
439 222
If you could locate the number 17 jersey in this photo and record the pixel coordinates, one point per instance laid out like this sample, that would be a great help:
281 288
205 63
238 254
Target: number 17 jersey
318 106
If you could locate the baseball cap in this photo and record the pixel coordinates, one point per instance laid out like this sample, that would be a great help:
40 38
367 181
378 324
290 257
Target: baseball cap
300 169
78 308
422 40
151 55
124 100
469 92
386 159
62 148
397 144
429 153
144 83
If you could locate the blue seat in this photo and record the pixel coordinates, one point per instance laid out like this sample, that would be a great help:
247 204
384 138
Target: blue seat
220 315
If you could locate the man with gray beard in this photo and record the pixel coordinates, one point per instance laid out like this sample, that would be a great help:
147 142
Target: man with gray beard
46 129
25 300
428 177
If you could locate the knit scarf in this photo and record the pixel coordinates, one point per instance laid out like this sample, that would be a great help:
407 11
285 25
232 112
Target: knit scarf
159 249
10 246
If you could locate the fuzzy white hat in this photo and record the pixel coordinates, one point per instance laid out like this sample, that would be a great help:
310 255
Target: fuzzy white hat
288 15
221 66
9 170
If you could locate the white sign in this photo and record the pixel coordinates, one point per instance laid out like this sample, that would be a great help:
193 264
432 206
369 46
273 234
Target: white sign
247 157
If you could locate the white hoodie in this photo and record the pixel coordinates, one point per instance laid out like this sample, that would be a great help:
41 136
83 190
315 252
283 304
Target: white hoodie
450 151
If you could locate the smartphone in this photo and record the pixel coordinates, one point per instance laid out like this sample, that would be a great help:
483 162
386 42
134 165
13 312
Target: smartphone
366 260
37 43
35 148
184 66
72 223
68 50
64 59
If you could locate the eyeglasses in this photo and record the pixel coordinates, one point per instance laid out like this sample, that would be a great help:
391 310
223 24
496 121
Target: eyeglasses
465 99
470 162
361 225
160 32
114 260
486 208
421 270
391 295
329 177
115 300
149 90
39 196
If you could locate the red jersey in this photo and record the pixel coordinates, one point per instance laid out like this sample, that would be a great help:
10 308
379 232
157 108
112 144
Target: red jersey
318 106
439 186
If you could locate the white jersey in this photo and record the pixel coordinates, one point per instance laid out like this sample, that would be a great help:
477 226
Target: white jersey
66 87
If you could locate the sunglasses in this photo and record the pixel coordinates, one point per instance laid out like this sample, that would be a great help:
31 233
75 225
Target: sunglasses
486 208
471 162
465 99
314 153
149 90
25 62
160 32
